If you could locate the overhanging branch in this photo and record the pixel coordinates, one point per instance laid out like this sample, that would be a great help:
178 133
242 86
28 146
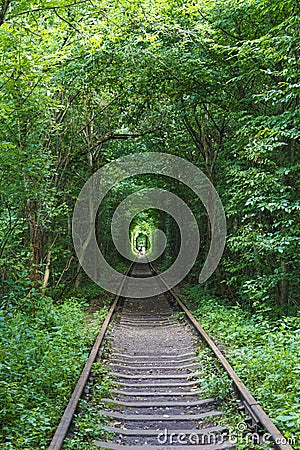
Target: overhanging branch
121 136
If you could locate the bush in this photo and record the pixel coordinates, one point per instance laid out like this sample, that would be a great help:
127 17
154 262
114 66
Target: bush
41 358
264 352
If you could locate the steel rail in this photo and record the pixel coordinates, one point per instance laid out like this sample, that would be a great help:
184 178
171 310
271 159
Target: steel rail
65 422
257 413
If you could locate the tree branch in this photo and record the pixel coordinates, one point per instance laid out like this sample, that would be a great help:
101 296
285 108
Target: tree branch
194 135
66 21
221 28
111 136
46 8
4 8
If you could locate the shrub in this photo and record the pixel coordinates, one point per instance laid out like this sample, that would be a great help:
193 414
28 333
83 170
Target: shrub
263 351
41 358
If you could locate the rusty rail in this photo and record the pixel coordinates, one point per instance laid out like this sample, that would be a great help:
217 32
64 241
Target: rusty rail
65 422
257 413
254 409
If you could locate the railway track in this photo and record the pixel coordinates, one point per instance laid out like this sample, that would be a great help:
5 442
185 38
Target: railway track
153 365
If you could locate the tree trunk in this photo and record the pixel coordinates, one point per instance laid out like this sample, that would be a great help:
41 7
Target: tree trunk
34 243
284 288
3 11
46 273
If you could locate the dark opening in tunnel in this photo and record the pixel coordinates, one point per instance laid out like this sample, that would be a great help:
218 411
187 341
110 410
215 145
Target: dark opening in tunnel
142 241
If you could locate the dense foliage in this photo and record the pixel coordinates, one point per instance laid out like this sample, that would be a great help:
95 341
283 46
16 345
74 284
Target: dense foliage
214 82
40 360
264 353
82 83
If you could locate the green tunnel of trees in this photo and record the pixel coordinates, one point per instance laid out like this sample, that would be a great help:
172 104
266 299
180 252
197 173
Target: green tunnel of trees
83 83
214 82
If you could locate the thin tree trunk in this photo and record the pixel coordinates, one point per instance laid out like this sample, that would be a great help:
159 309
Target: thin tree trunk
3 11
35 244
284 288
46 273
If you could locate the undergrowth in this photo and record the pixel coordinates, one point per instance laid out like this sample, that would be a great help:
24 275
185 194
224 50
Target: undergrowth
214 383
264 352
89 424
41 358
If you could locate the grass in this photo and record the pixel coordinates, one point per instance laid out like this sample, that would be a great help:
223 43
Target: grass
88 424
264 352
41 358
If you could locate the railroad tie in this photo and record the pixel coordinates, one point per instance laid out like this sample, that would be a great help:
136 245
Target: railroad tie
156 402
